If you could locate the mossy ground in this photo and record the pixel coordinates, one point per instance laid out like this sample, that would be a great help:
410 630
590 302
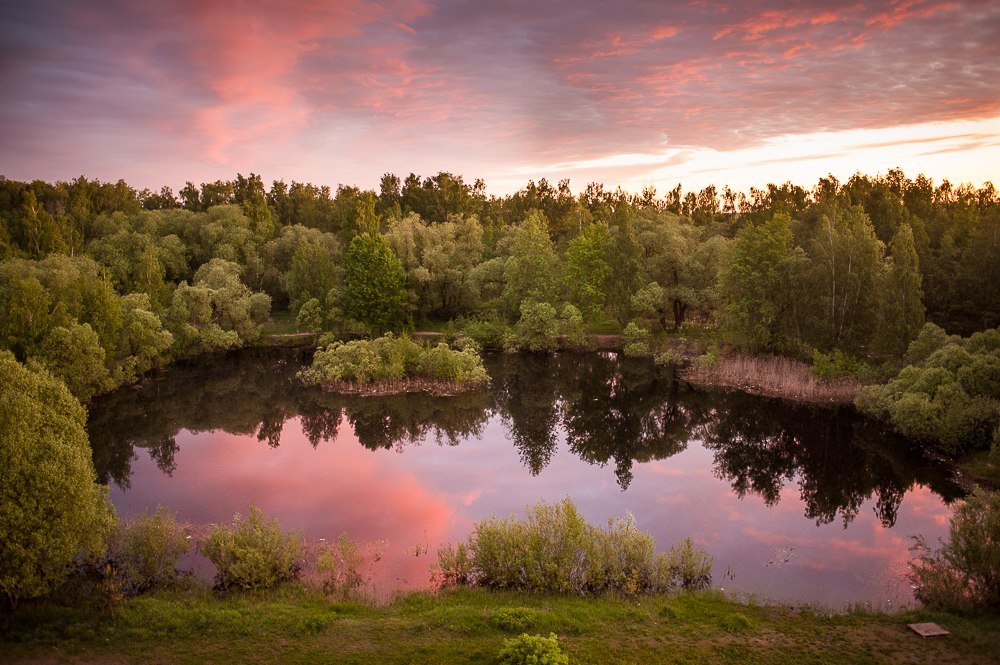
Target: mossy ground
296 625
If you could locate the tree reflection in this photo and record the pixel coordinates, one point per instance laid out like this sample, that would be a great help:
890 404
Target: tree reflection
615 412
624 411
525 392
761 445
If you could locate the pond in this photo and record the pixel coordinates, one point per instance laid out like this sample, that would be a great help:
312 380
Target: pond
795 504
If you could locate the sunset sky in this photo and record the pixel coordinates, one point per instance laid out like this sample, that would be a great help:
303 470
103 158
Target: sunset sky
624 93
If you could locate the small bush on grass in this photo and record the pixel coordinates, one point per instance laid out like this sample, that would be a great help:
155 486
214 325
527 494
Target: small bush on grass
532 650
253 553
964 574
148 548
513 619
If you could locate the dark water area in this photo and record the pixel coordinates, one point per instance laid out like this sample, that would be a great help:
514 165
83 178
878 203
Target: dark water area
795 504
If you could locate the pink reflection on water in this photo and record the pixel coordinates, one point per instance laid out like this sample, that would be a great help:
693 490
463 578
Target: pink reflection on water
409 502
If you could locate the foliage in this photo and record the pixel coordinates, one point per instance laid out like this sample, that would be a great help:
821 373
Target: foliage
254 553
340 567
536 330
903 311
532 650
964 573
636 340
587 270
838 365
374 284
147 549
51 508
556 550
217 311
949 398
488 332
513 619
366 364
754 281
532 271
74 354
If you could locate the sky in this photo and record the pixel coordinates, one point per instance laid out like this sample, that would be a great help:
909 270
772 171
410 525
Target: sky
626 93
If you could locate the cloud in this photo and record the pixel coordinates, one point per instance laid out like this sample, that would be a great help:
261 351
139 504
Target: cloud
343 91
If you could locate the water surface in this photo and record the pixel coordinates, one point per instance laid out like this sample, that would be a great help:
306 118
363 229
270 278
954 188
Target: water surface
795 504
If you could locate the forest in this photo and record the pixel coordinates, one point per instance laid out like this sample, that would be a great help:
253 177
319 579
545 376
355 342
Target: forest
100 282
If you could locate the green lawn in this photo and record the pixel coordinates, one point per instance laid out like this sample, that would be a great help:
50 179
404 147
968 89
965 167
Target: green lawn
296 625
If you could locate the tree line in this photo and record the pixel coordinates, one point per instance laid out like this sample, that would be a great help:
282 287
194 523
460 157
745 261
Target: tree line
100 281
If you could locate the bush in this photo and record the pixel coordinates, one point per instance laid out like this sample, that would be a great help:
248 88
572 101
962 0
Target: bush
685 566
253 553
536 330
532 650
393 361
964 574
340 567
838 365
489 333
51 508
949 397
636 340
556 550
513 619
148 548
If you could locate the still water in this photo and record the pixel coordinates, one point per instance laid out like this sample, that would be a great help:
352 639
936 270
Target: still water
795 504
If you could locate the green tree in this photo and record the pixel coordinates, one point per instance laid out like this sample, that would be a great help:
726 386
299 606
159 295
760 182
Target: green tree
847 278
51 508
532 270
374 284
903 308
74 354
755 283
588 273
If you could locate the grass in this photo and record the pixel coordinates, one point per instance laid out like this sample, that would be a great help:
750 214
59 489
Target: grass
773 376
282 322
981 467
297 625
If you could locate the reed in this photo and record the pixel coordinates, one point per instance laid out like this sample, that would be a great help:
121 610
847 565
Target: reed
773 376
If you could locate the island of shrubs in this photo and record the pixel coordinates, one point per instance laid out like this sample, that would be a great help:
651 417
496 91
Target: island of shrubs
390 364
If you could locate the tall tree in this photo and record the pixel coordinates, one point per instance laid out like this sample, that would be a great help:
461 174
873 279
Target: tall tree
903 308
755 284
374 284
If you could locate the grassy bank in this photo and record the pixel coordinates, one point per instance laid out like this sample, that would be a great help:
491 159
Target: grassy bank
297 625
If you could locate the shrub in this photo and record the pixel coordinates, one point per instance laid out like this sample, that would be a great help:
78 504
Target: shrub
51 508
556 550
636 340
964 574
148 548
340 567
949 397
536 330
253 553
571 328
392 361
685 566
532 650
489 333
513 619
838 365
